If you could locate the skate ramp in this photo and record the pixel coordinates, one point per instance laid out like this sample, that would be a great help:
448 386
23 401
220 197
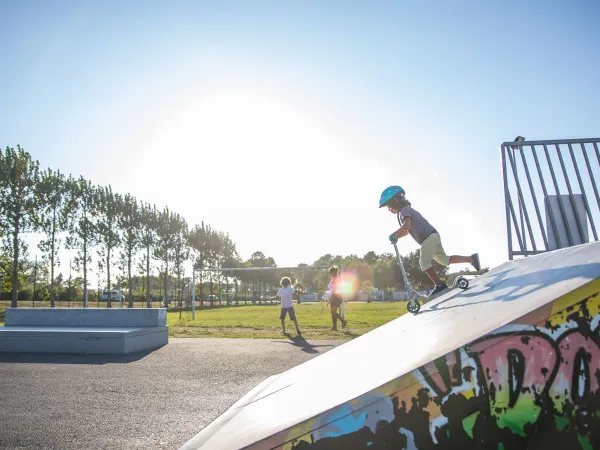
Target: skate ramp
512 362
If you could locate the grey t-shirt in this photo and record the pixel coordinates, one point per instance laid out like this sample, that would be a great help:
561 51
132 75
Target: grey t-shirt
420 228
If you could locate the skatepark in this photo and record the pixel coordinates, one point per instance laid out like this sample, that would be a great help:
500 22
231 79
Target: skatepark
513 361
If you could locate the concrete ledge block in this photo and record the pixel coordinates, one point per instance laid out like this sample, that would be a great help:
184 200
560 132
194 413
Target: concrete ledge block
88 340
86 317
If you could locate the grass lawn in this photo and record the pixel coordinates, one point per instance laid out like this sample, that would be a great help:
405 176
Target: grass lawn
262 321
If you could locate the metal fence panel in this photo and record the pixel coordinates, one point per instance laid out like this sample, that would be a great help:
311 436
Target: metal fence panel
551 196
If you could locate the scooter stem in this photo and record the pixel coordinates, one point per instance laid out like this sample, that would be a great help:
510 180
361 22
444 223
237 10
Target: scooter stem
406 283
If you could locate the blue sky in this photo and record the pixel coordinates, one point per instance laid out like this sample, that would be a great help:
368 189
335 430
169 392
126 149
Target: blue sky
282 122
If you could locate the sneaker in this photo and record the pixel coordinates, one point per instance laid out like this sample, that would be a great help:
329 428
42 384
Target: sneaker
475 261
438 288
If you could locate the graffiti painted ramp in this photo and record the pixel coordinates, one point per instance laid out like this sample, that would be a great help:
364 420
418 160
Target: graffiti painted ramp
513 362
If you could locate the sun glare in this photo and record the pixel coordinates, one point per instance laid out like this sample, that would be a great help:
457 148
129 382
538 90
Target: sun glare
245 163
228 140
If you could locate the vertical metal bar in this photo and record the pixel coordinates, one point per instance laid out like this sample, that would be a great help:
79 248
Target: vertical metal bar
521 207
589 168
585 202
513 215
537 209
520 194
560 202
597 152
552 221
506 199
571 198
516 224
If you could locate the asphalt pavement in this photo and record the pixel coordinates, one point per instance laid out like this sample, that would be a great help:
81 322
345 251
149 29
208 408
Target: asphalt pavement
156 400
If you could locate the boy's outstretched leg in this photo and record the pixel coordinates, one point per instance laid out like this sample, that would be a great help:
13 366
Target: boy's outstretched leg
473 260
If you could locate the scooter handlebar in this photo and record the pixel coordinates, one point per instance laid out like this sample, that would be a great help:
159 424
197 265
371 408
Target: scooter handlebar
393 238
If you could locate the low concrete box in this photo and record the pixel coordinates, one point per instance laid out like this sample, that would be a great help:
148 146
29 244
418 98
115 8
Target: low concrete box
83 330
86 317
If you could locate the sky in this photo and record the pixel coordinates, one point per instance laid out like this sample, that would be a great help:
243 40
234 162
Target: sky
281 123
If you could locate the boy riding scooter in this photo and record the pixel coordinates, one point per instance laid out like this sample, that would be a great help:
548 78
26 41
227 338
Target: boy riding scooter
413 223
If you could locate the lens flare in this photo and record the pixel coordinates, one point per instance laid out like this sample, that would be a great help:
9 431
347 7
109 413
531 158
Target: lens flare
348 283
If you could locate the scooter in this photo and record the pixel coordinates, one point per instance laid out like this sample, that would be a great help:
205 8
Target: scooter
414 297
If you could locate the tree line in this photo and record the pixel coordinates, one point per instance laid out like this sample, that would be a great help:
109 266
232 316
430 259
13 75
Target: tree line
133 240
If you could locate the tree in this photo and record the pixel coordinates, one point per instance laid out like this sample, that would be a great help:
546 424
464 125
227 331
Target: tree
367 288
265 279
371 258
163 250
130 224
18 203
229 258
53 213
199 241
148 226
181 252
386 273
321 278
108 205
82 231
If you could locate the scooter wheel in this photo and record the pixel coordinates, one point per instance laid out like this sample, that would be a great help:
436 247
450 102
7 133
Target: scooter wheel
462 283
413 307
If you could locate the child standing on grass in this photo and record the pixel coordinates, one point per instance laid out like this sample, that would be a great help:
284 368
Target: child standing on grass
413 223
335 298
287 305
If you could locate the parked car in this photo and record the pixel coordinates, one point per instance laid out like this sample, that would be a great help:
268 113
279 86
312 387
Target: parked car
212 299
115 296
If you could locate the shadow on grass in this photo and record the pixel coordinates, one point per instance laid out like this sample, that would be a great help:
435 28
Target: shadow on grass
303 344
67 358
351 334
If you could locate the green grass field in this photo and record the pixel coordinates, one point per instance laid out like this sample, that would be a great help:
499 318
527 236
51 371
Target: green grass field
262 321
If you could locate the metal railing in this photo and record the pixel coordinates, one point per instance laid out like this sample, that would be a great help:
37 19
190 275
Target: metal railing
564 175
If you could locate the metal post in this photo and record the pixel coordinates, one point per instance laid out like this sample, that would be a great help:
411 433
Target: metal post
34 281
1 283
591 174
571 196
585 202
522 202
193 294
506 198
524 236
545 191
535 203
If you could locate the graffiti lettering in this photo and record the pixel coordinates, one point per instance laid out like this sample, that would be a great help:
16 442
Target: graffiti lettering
537 388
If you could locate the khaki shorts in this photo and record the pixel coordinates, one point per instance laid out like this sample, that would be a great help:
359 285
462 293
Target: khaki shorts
431 249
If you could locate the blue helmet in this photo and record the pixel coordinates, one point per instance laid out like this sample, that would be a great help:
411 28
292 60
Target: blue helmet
390 193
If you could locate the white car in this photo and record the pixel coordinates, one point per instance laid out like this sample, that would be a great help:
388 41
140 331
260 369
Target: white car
115 296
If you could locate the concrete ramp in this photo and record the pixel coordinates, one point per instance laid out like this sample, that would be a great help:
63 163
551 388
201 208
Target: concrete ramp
513 362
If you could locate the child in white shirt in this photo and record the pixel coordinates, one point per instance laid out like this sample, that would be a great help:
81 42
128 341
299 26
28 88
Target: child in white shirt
287 306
